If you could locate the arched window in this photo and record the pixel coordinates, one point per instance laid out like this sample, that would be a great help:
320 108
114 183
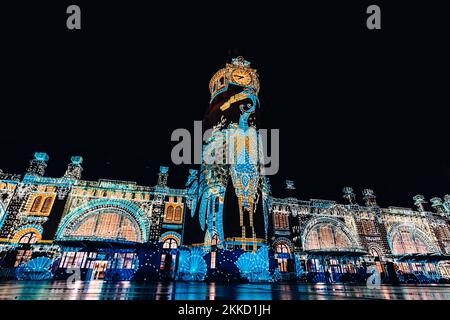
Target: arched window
282 251
326 236
282 248
169 214
36 204
47 205
28 238
281 220
107 225
170 243
178 214
407 241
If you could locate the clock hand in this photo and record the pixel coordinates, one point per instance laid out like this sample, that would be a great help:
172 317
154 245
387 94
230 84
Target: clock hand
237 97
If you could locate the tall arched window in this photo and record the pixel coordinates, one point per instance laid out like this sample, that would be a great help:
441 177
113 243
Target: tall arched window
107 225
282 251
215 240
47 205
281 220
178 214
36 204
169 214
407 241
326 236
443 232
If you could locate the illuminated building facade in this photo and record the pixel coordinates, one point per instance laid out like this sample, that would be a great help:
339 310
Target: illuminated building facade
225 225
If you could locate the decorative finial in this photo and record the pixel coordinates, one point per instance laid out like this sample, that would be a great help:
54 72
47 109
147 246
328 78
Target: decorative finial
349 195
290 185
369 198
419 201
240 62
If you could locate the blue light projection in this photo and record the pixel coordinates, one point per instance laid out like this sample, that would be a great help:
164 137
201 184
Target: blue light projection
76 160
119 274
192 266
35 269
183 265
41 156
233 150
276 276
298 266
254 266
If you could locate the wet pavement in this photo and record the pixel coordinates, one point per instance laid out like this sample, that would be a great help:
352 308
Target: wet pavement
126 290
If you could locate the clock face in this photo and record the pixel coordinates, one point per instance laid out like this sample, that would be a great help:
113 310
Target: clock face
241 77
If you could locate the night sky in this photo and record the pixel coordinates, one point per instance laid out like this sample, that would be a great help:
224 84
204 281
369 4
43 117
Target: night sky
354 107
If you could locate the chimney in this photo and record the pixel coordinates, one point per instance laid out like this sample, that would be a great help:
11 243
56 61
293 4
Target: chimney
447 203
437 205
38 164
349 195
369 198
419 201
162 177
74 168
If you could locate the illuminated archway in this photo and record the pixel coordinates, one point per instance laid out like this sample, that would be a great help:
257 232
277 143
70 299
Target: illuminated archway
283 248
283 243
105 219
408 239
375 250
328 234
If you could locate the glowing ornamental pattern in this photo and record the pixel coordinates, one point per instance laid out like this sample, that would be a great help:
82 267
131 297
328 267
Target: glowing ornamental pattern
183 265
254 266
192 185
125 208
298 266
35 269
192 265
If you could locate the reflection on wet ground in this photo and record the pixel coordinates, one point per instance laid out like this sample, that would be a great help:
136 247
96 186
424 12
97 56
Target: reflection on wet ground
125 290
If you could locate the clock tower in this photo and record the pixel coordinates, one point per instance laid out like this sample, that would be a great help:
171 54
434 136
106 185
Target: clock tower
228 195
